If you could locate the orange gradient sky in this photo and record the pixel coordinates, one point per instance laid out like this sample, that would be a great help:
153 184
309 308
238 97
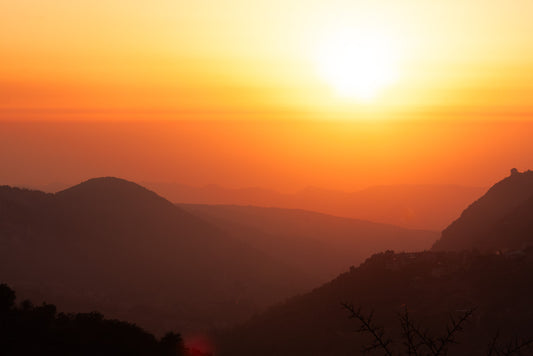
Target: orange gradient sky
285 155
275 93
219 57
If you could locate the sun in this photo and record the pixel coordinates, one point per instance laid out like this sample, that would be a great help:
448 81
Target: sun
358 64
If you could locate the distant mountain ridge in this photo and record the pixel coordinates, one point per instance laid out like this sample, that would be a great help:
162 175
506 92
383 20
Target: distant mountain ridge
321 244
426 207
501 219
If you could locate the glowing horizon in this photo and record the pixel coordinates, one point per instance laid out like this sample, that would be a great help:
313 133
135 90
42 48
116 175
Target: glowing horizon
238 57
268 93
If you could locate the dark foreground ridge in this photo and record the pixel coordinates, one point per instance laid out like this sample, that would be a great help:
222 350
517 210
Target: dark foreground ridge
26 329
432 285
482 262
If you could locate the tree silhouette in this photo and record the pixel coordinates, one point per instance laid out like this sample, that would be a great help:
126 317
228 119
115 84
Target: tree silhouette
39 330
7 298
172 344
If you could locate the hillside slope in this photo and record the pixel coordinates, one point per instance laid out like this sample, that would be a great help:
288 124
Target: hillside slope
112 245
499 220
430 284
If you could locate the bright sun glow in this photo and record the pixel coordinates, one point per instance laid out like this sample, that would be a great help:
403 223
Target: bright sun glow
358 64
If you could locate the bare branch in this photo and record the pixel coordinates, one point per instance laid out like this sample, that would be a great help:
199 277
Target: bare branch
452 329
516 347
367 326
493 346
408 333
417 339
426 339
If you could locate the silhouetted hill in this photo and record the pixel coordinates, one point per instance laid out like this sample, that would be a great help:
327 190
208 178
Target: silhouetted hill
515 229
499 220
430 284
429 207
112 245
320 244
30 330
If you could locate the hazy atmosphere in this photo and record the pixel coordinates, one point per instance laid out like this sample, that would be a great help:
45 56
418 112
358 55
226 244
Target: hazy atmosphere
266 178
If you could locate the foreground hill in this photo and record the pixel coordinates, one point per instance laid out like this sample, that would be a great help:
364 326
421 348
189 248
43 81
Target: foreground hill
27 330
112 245
502 219
429 207
320 244
430 284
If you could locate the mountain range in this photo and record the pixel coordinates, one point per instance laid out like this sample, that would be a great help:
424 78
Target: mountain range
321 245
112 245
426 207
483 261
262 280
115 246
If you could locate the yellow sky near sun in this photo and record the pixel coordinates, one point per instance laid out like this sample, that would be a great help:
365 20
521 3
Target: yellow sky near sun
257 56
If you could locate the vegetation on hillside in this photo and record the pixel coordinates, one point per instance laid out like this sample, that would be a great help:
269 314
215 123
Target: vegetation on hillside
26 329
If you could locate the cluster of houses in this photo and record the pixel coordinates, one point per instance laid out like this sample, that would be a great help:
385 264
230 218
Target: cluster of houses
437 264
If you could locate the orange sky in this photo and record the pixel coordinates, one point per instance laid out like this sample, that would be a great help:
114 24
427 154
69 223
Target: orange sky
286 155
236 56
234 92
